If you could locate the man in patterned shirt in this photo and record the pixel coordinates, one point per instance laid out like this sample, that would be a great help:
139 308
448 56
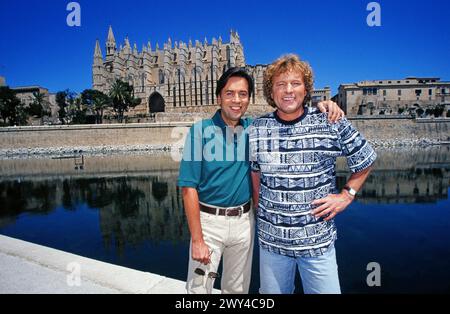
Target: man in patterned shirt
216 185
293 152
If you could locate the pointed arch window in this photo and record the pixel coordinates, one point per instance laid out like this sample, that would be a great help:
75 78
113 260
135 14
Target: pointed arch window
161 77
228 56
207 90
143 82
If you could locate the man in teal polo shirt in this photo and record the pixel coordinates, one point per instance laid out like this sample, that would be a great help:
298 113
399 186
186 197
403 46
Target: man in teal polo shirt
216 187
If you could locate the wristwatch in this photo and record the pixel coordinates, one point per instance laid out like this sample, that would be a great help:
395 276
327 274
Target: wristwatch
350 191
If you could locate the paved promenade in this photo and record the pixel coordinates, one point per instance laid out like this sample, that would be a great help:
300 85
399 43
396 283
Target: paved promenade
30 268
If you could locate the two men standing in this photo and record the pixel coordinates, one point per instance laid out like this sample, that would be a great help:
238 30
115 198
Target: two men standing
293 153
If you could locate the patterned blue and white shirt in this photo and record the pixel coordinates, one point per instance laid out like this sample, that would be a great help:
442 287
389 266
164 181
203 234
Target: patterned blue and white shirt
297 165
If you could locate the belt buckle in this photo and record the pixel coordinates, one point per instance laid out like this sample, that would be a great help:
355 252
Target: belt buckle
228 210
240 210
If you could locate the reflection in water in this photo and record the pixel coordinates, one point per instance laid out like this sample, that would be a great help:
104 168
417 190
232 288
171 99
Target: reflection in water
140 207
405 177
131 209
137 204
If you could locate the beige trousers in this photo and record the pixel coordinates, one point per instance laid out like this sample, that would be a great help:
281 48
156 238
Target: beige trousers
232 238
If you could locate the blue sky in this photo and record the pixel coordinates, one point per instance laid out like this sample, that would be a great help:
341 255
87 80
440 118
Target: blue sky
38 48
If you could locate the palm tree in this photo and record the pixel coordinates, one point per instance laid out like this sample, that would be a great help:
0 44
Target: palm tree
69 106
77 110
97 102
11 108
122 96
40 106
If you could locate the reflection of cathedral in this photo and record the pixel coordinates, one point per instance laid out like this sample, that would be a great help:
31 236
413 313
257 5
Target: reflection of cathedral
149 209
132 210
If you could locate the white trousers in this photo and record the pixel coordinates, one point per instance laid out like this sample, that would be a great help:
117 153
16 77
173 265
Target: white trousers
232 238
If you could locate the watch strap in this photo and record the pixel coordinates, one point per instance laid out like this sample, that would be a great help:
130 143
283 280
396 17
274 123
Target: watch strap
350 191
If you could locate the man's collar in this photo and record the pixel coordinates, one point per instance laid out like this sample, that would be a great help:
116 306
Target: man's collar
218 120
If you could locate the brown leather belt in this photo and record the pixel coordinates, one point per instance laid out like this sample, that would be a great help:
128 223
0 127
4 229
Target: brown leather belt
230 211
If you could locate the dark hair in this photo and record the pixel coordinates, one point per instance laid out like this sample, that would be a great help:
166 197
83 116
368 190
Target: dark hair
235 72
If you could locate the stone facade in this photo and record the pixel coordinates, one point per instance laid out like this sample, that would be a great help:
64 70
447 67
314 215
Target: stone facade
321 95
2 81
179 77
26 93
394 97
26 96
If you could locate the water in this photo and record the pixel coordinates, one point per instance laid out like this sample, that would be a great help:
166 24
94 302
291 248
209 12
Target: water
127 210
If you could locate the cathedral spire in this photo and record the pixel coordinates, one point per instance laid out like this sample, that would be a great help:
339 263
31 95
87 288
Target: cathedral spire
111 35
98 56
127 47
110 43
234 37
98 50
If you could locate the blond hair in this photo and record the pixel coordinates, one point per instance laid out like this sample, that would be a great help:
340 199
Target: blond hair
287 63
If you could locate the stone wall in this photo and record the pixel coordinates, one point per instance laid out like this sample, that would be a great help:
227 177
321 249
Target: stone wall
108 166
380 131
89 135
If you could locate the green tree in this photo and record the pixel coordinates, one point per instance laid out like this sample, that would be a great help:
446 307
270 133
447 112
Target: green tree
40 107
97 102
439 110
122 96
12 111
70 109
62 104
77 110
420 112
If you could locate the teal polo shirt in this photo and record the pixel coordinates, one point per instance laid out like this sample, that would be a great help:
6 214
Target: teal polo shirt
216 162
